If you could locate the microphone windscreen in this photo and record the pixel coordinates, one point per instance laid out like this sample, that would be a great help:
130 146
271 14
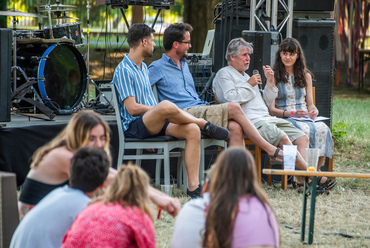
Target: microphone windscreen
255 71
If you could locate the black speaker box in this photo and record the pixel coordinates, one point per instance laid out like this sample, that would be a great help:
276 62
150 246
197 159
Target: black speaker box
9 217
317 40
5 71
313 5
226 30
265 45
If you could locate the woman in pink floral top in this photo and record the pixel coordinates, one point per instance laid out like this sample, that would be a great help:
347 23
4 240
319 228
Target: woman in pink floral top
122 219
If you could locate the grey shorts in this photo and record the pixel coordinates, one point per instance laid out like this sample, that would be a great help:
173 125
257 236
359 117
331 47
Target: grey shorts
274 129
217 114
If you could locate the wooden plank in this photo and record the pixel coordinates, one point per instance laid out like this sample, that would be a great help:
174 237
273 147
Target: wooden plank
316 173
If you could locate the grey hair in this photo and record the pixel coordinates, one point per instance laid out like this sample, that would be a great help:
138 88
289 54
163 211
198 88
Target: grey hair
234 47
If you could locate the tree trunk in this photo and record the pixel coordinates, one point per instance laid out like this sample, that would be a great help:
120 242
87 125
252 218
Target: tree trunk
137 14
199 14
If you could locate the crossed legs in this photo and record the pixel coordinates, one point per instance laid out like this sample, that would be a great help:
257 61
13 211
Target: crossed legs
240 124
182 125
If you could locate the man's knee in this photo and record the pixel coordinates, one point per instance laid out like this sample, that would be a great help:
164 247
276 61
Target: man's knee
235 129
192 132
167 108
234 107
285 140
302 140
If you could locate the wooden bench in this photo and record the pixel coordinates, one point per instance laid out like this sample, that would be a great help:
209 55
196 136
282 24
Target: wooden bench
309 190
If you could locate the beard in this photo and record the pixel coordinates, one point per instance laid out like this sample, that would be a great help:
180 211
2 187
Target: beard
149 54
182 54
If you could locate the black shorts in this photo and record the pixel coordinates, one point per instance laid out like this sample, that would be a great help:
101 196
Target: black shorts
137 129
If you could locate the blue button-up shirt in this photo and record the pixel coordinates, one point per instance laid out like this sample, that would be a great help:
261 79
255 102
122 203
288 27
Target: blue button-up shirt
173 83
130 80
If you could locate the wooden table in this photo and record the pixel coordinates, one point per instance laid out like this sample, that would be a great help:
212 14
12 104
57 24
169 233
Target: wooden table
309 190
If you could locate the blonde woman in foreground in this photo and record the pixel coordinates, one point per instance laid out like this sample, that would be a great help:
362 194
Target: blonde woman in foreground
121 219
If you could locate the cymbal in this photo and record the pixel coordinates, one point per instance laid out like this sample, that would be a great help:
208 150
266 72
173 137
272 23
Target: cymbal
66 17
19 13
58 6
55 10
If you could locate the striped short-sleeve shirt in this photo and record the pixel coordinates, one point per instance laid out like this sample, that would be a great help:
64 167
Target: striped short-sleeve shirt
130 80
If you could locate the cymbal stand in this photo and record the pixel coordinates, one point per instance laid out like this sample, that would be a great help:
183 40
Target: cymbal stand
14 54
50 23
88 7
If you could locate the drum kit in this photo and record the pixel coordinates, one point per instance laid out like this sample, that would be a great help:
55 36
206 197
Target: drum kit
49 74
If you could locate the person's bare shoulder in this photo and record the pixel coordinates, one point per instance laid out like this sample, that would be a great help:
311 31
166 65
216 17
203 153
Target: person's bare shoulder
59 157
61 152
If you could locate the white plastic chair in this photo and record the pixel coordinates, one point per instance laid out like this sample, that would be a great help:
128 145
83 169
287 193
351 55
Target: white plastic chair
182 175
163 144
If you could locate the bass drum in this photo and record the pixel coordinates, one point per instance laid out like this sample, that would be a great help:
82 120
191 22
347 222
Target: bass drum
59 70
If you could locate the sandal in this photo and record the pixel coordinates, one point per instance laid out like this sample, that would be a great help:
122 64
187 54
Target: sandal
276 158
298 186
328 184
319 189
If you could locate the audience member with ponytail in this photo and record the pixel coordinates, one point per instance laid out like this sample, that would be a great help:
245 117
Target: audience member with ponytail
121 219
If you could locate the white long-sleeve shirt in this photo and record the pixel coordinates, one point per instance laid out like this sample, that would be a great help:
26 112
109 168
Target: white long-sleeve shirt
229 85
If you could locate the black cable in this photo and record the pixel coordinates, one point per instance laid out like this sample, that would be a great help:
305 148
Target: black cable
334 234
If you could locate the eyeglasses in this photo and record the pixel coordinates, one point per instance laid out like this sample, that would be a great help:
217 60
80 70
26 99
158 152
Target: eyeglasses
186 42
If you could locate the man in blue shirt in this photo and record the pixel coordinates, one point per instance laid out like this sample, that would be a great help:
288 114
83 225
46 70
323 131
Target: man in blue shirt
142 117
175 83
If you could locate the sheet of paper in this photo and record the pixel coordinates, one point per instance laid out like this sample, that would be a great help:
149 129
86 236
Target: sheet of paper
306 118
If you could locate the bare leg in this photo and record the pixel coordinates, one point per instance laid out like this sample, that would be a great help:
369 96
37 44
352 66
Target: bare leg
321 162
236 114
155 118
300 162
236 137
302 143
23 208
191 133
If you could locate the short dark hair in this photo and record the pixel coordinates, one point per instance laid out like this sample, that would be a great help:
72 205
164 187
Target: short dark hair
175 32
89 168
137 32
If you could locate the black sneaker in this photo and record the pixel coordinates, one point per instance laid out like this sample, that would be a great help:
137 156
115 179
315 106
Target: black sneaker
215 132
195 193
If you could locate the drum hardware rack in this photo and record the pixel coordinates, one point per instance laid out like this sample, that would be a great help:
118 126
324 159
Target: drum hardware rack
19 93
88 7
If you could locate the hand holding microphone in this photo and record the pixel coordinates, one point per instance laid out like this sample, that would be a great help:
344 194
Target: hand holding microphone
255 78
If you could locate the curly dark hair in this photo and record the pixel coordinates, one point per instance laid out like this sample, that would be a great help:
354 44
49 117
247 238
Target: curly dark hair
175 32
137 32
89 168
291 45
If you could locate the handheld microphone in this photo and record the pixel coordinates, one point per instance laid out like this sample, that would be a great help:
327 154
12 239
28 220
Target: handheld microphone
255 71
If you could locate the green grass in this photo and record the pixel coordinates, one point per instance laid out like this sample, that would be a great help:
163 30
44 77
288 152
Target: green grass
352 110
346 209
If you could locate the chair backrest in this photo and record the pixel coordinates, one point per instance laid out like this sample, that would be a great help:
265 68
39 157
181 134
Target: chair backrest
313 95
121 135
155 92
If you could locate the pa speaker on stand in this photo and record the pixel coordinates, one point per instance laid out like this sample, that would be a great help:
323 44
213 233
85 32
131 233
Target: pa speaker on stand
316 37
5 73
265 45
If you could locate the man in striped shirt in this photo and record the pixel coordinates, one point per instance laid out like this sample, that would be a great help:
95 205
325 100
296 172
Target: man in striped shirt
142 117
